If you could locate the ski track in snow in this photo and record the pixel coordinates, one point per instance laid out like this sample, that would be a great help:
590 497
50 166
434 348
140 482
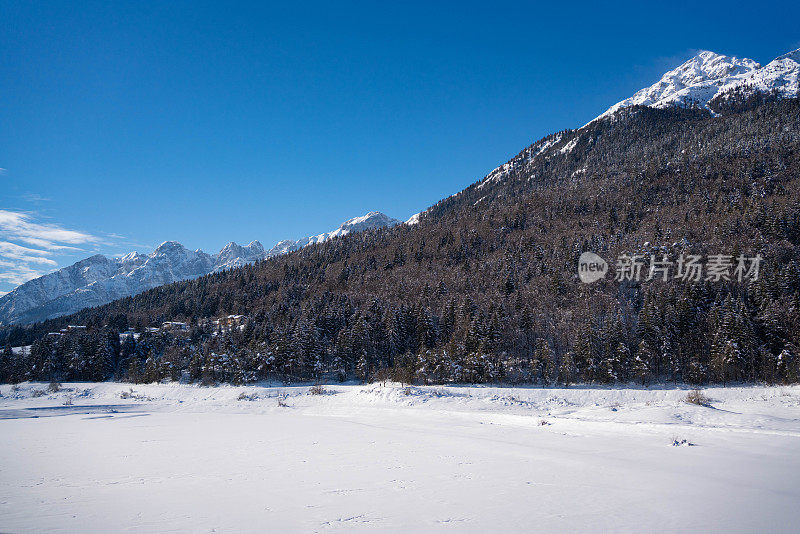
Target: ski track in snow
176 458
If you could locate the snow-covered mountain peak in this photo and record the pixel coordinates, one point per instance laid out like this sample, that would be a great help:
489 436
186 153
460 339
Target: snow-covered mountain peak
707 75
709 65
794 55
234 255
169 247
131 256
414 219
779 75
368 216
368 221
373 219
697 80
232 246
97 258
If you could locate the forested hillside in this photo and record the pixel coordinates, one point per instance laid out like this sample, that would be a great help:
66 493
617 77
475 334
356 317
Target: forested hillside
485 288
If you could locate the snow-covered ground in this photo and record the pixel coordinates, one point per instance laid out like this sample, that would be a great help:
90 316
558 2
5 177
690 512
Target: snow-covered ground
170 457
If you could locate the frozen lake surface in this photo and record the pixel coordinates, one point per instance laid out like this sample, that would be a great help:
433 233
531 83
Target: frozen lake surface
177 458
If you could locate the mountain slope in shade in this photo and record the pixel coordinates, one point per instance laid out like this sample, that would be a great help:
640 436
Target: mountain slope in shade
707 75
98 280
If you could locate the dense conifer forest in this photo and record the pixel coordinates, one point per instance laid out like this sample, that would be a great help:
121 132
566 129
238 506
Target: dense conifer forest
485 287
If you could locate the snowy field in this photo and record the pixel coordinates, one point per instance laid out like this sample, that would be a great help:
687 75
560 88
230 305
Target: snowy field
180 458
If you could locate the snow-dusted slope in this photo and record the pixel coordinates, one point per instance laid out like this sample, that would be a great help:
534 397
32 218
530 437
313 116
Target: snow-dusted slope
414 219
779 75
233 255
373 219
54 285
706 75
99 280
697 80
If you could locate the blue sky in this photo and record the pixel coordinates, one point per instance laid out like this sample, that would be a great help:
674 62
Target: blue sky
123 125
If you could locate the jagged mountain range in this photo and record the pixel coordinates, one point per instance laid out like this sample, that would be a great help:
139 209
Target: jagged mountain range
98 280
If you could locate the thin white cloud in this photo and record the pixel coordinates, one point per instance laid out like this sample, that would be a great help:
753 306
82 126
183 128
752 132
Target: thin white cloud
35 198
27 247
28 255
20 226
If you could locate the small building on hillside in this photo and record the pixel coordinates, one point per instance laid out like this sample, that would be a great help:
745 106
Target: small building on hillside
229 322
130 334
174 326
